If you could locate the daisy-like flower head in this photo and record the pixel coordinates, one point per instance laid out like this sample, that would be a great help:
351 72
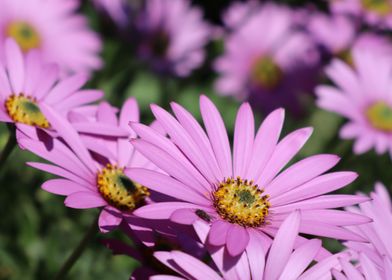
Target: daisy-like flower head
97 179
377 13
244 194
284 259
173 35
269 69
26 84
373 258
362 95
53 27
338 35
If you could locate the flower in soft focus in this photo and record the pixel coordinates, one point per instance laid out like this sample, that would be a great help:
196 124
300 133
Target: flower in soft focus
377 13
245 196
53 27
267 60
362 95
173 35
284 260
27 84
373 258
98 180
339 37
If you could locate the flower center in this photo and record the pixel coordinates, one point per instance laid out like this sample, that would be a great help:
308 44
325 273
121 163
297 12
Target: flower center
380 7
160 43
24 109
241 202
118 190
266 73
24 34
380 116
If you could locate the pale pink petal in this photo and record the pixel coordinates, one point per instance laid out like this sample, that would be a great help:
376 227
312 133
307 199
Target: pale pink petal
237 239
162 210
218 232
84 200
62 187
256 255
15 65
369 268
129 112
106 114
184 216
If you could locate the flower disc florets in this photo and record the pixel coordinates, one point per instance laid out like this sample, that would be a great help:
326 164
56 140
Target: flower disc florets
241 202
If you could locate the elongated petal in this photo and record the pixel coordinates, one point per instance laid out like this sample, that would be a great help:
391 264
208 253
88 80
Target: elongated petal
236 240
62 187
282 246
162 210
15 65
218 232
84 200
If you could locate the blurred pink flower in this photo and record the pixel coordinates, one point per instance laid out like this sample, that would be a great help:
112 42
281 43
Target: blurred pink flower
339 36
245 197
362 95
282 261
267 60
376 13
53 27
173 36
97 180
373 258
27 84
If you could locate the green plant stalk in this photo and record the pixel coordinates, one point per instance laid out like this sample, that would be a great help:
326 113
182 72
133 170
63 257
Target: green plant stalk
8 148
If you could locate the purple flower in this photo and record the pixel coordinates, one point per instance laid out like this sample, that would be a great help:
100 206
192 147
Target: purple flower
52 27
27 84
245 196
362 95
374 258
94 181
267 60
173 35
283 260
376 13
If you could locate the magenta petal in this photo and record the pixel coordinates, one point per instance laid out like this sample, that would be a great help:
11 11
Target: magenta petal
282 246
218 232
62 187
184 216
15 65
109 219
236 240
162 210
84 200
256 255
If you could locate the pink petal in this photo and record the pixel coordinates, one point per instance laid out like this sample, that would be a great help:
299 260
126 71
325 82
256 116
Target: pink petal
62 187
284 152
161 210
65 88
166 185
331 231
218 232
100 129
236 240
15 65
217 134
129 112
184 216
256 256
109 219
84 200
243 140
106 114
301 172
350 271
369 268
282 246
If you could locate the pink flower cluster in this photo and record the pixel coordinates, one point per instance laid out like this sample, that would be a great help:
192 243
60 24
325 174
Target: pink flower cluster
240 208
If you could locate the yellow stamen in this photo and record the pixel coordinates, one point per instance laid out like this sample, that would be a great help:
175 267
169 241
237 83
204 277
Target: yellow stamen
380 116
241 202
24 109
380 7
266 73
118 190
24 34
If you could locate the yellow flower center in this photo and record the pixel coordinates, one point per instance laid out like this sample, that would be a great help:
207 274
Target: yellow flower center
241 202
24 34
380 7
380 116
266 73
24 109
118 190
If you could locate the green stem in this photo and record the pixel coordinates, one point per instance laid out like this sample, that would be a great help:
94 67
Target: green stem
8 148
78 251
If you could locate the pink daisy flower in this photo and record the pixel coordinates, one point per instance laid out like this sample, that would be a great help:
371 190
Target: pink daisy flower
362 95
339 36
53 27
374 258
267 60
376 13
27 84
246 195
282 261
94 181
173 35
